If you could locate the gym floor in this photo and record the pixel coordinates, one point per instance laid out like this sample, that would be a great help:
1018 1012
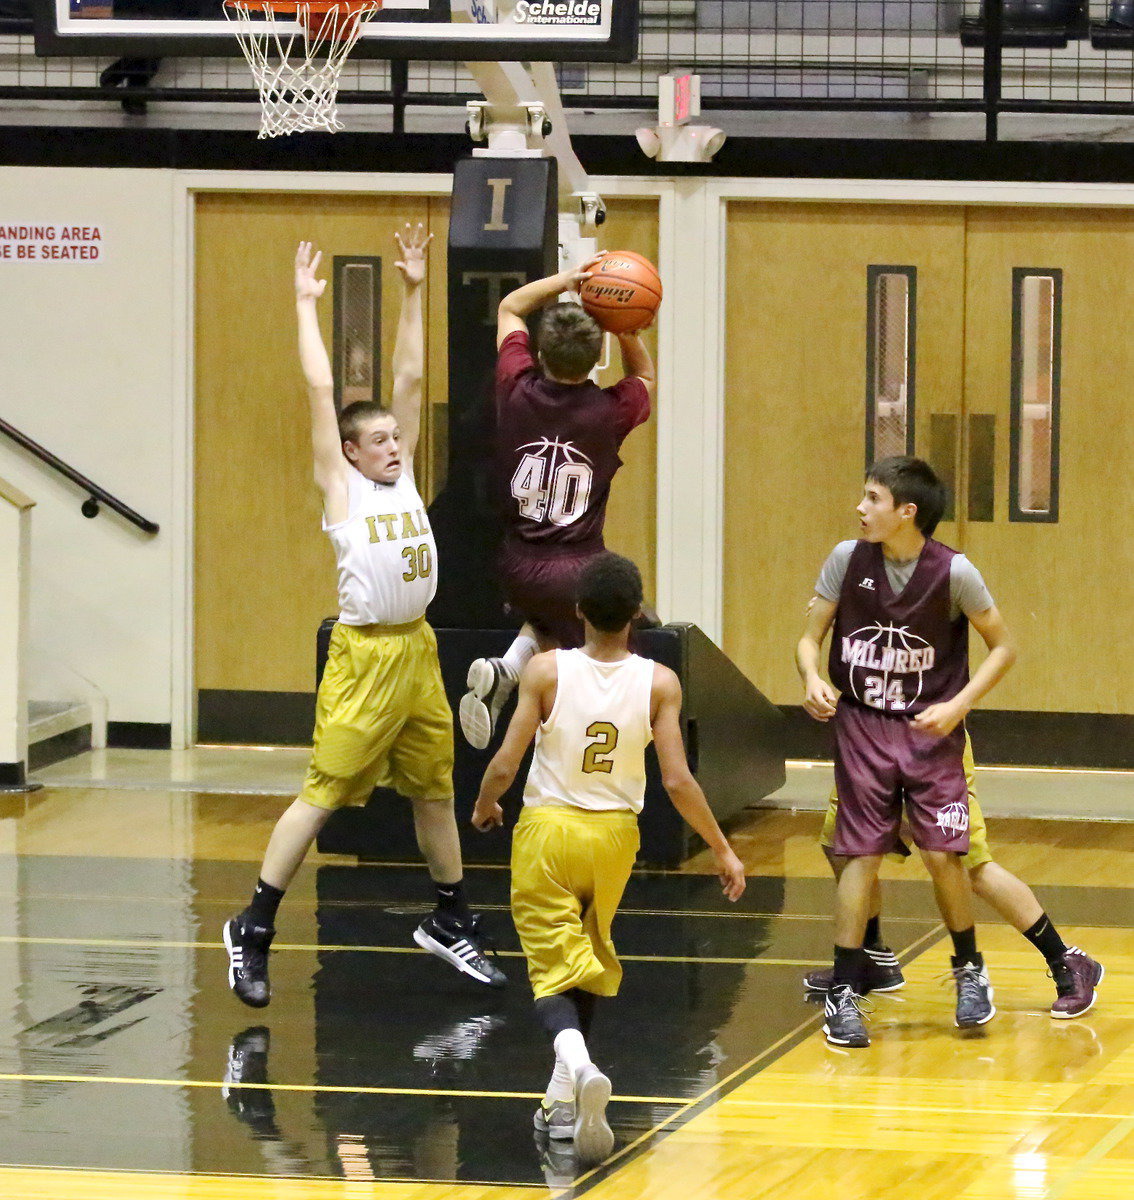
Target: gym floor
378 1068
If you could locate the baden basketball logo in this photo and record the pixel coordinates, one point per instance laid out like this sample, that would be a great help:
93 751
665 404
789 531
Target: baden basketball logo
886 665
954 818
553 481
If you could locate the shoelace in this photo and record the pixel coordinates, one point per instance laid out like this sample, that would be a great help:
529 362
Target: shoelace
967 979
1064 977
863 1004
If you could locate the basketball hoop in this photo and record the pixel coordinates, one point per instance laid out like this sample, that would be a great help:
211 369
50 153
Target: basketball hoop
297 70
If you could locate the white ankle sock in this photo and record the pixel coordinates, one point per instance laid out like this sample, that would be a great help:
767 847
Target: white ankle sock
518 654
571 1051
561 1085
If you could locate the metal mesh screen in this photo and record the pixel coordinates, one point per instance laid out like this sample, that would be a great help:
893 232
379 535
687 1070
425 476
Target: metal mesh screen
889 398
749 53
357 348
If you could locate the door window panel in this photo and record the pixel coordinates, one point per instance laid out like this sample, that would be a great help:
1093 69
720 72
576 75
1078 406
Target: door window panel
1037 297
890 325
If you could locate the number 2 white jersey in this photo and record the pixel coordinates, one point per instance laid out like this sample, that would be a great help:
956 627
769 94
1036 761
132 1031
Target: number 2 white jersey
385 552
591 751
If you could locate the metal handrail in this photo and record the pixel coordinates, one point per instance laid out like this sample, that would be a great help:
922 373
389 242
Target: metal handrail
95 495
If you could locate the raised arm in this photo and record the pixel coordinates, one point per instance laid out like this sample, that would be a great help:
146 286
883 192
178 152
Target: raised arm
525 300
409 346
537 678
330 465
636 360
819 697
684 791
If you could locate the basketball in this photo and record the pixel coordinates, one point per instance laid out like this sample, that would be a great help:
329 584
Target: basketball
623 292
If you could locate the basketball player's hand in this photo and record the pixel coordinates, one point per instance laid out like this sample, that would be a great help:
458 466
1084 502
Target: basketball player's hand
574 278
819 699
730 871
307 287
412 244
939 719
487 815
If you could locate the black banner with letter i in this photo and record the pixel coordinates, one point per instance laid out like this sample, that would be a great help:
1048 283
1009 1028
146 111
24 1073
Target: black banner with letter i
503 233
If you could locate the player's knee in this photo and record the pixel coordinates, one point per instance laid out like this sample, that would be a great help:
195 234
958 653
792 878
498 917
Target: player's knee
941 862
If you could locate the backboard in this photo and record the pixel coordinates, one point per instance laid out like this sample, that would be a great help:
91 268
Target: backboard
460 30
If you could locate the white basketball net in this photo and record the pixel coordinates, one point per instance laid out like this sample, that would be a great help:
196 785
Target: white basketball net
297 70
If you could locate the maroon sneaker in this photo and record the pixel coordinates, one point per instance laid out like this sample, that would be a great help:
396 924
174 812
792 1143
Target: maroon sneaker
883 975
1076 976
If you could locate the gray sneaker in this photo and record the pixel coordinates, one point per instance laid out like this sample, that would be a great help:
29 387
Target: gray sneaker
842 1013
490 683
974 994
556 1118
594 1138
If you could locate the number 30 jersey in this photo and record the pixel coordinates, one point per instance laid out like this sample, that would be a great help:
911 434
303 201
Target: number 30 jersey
557 448
385 552
591 751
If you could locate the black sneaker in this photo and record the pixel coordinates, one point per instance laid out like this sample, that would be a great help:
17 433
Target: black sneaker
248 1064
247 947
883 974
974 994
843 1022
459 943
490 683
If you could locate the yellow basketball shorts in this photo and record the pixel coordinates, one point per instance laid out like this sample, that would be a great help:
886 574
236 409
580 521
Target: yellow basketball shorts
381 718
979 852
569 870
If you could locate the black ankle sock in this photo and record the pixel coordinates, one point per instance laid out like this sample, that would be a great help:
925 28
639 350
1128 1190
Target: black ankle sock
265 903
964 945
585 1005
873 937
848 966
1045 937
556 1013
451 900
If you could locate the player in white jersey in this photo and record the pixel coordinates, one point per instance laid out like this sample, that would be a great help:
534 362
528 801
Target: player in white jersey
592 711
381 716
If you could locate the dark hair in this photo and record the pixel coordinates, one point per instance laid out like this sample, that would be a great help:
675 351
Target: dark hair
912 481
609 592
354 416
569 340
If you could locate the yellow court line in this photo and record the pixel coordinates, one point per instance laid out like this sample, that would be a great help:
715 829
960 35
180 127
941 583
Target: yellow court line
391 906
839 1106
315 1087
155 944
1098 1151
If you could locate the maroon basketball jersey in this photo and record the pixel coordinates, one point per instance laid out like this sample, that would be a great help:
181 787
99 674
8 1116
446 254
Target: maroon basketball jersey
557 449
901 653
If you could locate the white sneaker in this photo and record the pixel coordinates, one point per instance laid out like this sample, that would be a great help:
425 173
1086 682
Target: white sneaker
490 683
594 1139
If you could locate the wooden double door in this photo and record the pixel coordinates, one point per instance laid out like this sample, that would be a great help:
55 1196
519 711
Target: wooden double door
1009 313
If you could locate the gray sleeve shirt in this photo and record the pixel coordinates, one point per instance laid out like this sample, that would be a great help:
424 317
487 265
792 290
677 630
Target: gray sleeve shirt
968 592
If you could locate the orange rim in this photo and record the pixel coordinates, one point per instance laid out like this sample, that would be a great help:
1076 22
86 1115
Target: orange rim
317 7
